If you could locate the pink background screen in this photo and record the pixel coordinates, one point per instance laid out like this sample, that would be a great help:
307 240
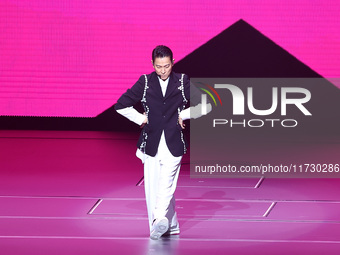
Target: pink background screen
74 58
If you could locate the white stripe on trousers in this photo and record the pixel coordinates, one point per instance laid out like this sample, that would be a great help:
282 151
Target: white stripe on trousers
160 181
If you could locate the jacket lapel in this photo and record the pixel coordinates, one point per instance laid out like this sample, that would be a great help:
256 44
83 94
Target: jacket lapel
156 85
172 85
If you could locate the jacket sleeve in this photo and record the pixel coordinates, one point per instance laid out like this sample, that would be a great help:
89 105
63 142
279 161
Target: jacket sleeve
193 94
132 96
125 103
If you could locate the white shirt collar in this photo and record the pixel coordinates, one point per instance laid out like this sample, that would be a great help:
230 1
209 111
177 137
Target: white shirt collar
164 84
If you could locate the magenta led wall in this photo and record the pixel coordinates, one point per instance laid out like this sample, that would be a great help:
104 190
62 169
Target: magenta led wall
74 58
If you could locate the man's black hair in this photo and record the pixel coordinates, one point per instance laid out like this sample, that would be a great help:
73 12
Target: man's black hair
161 51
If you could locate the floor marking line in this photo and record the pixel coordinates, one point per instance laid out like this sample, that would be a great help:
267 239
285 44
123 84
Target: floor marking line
95 206
259 183
269 209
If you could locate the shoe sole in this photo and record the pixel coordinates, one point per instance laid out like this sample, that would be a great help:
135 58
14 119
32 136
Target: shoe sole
172 232
159 229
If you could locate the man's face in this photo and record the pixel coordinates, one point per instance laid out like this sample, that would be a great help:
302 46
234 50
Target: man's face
163 67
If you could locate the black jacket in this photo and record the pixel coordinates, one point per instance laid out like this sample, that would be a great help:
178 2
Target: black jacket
162 112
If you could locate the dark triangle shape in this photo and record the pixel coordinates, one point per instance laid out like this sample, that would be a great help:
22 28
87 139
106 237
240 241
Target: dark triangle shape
241 51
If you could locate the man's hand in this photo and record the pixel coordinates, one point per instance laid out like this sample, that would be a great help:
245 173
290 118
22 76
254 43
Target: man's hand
181 123
145 121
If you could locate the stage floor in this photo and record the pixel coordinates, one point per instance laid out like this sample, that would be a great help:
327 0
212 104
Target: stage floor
70 192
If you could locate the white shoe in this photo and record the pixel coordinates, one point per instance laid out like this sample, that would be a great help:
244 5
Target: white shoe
159 227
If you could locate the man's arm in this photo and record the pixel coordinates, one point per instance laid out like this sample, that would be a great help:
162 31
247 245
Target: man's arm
133 115
125 103
194 111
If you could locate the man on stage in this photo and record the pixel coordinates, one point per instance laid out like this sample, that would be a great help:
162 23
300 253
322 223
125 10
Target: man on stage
164 96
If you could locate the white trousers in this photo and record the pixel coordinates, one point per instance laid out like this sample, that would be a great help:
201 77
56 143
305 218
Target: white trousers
160 181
